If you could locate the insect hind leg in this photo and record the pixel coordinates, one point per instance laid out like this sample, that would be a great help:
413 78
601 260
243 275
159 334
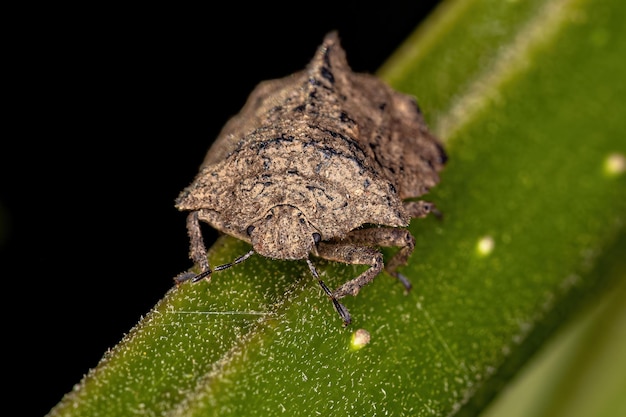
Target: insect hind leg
387 237
352 254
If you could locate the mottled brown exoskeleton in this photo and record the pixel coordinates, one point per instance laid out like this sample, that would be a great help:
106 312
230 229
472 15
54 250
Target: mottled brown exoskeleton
317 163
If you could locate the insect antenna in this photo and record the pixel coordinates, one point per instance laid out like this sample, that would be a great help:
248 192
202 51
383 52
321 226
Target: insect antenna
204 274
343 312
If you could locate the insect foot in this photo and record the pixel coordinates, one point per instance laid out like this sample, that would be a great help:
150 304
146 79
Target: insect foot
317 164
187 276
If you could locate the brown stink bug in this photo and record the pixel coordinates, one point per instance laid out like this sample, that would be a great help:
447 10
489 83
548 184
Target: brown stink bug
317 163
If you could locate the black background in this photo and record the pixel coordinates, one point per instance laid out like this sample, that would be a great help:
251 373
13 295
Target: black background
111 112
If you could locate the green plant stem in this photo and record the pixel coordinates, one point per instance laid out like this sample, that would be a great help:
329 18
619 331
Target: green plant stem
529 98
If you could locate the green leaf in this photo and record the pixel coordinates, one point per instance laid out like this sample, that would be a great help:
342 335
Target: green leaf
529 98
579 373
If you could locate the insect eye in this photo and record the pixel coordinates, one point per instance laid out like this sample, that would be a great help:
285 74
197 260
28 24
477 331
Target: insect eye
317 238
249 230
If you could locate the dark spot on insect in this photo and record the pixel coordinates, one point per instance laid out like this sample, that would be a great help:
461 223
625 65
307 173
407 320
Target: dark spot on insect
392 188
429 161
313 95
374 147
275 142
366 183
268 183
443 157
300 108
332 133
302 221
282 138
276 109
269 217
292 171
382 106
249 230
345 118
342 207
317 238
415 105
329 152
314 188
326 57
327 74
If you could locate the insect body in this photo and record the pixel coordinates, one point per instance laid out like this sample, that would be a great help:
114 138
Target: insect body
317 163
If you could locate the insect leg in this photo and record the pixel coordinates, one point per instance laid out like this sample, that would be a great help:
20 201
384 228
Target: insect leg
343 311
235 262
388 237
195 278
352 254
420 209
197 250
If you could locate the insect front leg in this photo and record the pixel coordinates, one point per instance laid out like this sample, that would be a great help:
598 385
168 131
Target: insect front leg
352 254
197 249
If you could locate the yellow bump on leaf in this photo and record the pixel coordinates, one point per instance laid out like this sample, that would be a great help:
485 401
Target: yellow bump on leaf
360 338
615 164
485 245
